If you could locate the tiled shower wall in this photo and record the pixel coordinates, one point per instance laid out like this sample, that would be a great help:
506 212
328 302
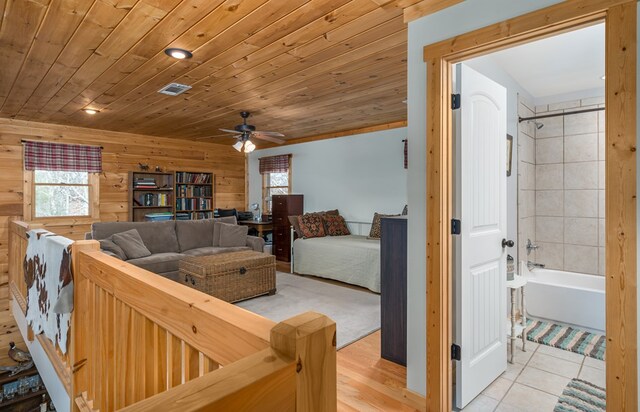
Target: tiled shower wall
526 180
569 188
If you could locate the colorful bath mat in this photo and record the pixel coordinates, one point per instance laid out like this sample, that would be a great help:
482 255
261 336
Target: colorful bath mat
567 338
582 396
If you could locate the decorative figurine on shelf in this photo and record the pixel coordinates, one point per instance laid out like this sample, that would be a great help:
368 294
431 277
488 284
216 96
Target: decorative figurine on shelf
143 167
14 370
158 169
43 404
18 355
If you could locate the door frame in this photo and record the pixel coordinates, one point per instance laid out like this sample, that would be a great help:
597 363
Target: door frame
620 194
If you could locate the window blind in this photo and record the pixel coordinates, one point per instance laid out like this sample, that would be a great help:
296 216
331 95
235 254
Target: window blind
62 157
275 164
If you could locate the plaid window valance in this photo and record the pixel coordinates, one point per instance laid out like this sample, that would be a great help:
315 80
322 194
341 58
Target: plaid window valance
62 157
275 164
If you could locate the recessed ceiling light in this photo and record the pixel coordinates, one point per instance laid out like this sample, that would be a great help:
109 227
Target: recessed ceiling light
179 54
90 111
602 77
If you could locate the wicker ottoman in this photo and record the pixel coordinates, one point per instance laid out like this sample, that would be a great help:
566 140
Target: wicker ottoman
231 276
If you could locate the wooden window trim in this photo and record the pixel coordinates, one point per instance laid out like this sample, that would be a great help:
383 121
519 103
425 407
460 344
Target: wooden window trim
621 236
265 188
29 204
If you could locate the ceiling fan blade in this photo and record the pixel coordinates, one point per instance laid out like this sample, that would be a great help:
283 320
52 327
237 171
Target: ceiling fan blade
268 138
230 131
274 134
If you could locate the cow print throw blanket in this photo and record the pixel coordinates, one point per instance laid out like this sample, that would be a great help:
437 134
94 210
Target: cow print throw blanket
47 272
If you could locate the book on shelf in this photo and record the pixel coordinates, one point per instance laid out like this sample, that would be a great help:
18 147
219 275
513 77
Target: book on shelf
193 178
194 215
184 190
193 203
157 217
154 199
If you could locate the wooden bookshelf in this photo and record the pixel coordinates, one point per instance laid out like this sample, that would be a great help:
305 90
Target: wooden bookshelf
150 192
194 195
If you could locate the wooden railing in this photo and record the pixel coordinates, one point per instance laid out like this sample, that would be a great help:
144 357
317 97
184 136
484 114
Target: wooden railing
143 342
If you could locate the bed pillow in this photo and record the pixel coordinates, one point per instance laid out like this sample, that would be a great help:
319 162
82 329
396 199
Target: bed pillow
374 233
335 225
311 225
131 243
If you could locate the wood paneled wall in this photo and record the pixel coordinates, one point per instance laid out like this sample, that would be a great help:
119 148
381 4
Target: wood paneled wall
122 153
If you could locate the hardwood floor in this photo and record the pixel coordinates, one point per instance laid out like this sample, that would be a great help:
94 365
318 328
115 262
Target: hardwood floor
367 382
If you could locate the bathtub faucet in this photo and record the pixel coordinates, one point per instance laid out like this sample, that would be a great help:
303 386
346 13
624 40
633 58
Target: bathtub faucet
531 246
531 265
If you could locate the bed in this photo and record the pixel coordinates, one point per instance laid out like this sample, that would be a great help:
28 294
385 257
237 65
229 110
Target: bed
352 259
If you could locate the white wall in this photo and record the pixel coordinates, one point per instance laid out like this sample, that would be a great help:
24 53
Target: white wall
358 175
461 18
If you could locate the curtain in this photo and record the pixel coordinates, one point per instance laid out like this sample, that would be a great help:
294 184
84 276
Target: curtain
274 164
62 157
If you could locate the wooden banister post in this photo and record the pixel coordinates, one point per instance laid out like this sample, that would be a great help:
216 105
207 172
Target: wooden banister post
79 321
310 339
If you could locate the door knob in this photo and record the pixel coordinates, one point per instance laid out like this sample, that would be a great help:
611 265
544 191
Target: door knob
508 243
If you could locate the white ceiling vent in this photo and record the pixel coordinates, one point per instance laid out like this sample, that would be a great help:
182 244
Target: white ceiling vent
174 89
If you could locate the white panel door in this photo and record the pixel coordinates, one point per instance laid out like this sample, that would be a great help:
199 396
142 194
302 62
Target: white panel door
479 258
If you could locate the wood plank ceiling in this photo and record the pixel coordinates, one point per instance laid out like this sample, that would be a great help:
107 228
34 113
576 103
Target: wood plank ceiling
302 67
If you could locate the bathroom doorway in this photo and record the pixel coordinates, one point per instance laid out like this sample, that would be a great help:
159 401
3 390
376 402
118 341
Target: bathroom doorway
553 228
620 263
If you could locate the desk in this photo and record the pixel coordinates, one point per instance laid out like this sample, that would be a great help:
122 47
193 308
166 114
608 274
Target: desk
263 228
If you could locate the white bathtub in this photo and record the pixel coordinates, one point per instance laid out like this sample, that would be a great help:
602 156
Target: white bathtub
566 297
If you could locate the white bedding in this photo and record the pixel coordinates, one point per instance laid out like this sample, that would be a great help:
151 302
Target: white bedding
350 259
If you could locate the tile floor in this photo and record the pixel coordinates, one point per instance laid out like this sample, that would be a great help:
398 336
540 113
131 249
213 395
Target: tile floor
536 379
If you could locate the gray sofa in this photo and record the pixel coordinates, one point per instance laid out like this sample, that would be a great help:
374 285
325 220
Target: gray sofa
171 241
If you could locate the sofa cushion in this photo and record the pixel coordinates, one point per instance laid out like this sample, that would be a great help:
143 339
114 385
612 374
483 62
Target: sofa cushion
212 250
227 220
158 237
131 243
159 262
233 235
193 234
107 245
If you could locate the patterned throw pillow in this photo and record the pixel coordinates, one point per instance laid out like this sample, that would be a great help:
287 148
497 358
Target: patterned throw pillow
311 225
335 225
375 225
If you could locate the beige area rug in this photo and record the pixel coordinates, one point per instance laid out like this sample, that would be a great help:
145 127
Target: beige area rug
356 312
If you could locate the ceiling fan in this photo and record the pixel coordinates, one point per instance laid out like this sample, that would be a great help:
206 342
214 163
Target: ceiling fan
245 132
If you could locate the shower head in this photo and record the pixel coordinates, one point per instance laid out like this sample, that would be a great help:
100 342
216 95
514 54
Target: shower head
538 124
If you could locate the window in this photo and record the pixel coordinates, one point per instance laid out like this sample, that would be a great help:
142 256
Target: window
276 178
61 181
58 193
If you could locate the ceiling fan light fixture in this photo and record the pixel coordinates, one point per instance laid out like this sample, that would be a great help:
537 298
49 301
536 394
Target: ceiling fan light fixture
249 146
238 146
177 53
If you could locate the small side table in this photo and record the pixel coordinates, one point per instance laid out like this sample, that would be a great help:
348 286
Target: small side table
518 282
